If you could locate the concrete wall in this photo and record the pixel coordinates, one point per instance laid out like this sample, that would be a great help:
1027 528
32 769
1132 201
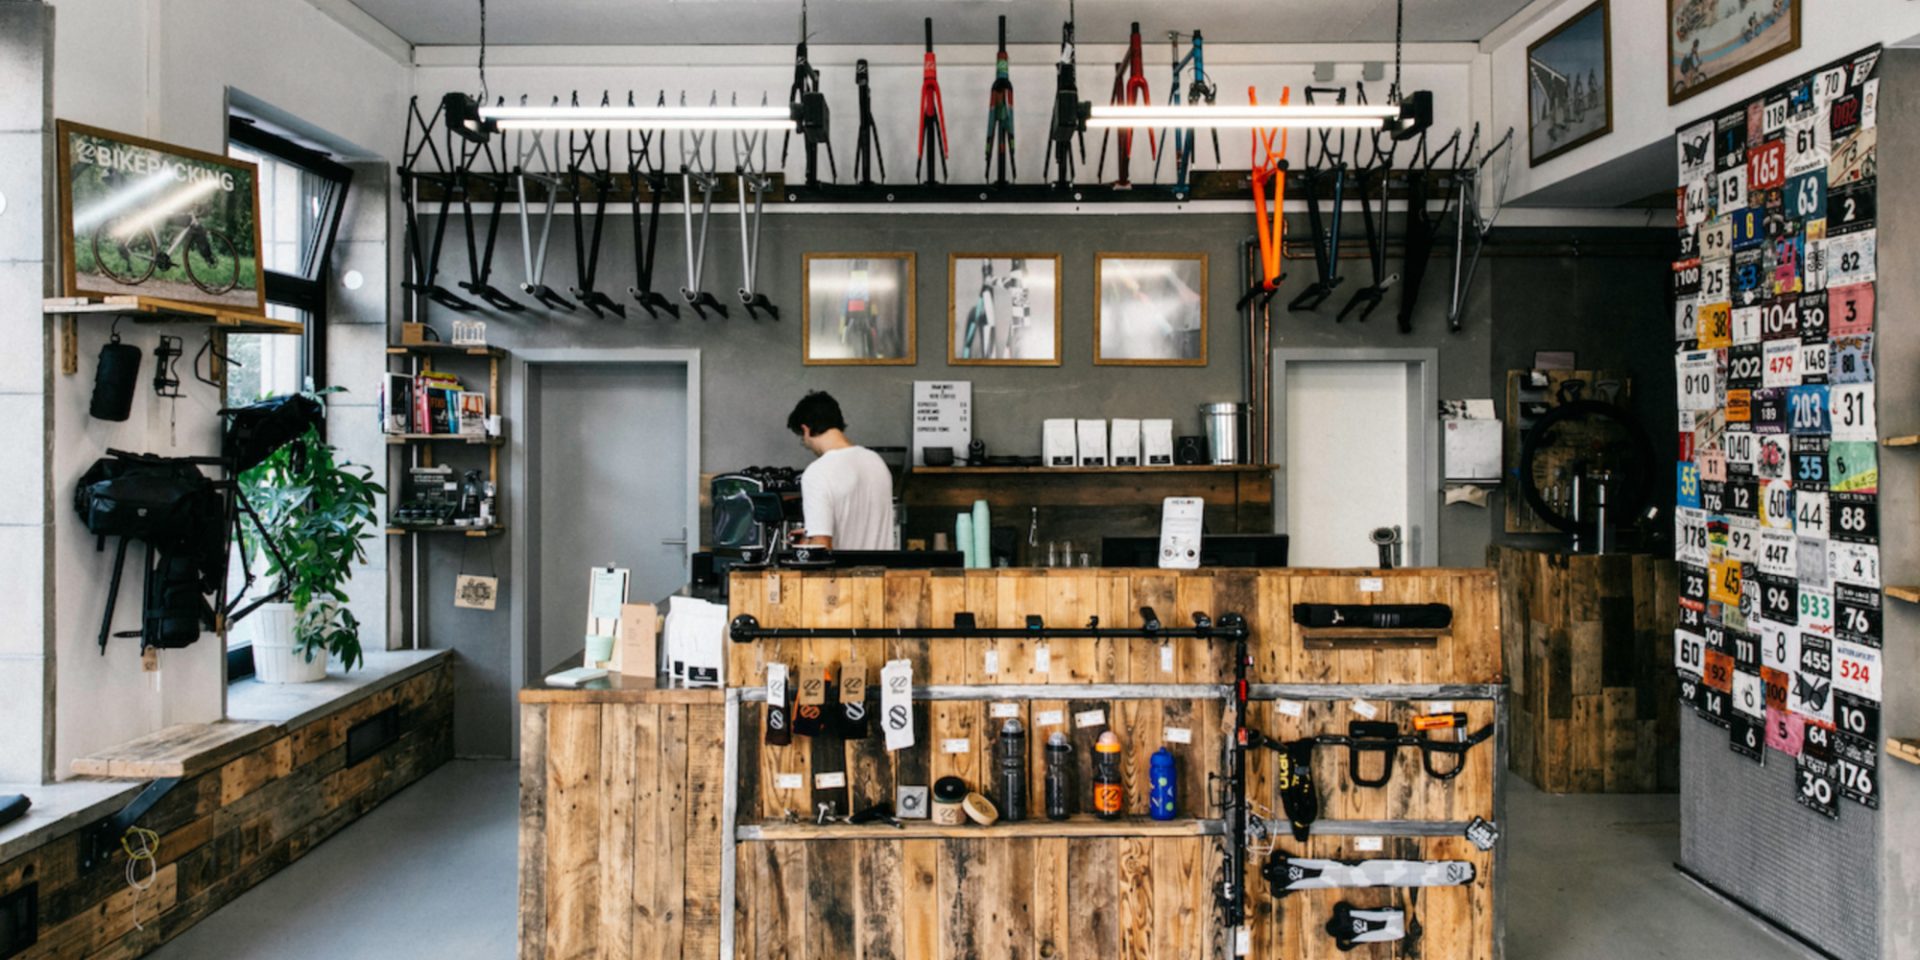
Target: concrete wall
165 73
1637 158
26 656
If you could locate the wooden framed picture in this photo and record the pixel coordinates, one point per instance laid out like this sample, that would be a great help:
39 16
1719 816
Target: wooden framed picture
1570 85
1150 309
1003 309
858 309
1712 41
144 218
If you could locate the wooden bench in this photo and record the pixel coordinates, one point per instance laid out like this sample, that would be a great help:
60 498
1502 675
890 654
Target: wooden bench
181 750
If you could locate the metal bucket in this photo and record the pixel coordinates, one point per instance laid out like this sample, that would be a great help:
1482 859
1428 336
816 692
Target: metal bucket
1226 428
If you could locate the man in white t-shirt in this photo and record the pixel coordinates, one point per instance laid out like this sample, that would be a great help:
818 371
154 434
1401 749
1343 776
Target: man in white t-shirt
846 494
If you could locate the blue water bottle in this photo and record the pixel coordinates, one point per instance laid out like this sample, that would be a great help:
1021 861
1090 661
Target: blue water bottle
1163 797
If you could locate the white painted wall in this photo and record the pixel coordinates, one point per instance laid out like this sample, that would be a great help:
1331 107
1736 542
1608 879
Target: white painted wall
966 73
164 72
1641 117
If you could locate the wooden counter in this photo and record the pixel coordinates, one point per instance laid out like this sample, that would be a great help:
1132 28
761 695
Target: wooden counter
658 822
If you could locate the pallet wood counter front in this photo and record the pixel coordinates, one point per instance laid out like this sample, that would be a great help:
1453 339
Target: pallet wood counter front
629 848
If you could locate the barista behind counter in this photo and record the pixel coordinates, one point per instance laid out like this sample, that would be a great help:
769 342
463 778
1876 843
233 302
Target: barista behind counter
846 494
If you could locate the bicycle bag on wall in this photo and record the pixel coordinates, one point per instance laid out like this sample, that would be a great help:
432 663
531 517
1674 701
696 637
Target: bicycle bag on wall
180 515
256 430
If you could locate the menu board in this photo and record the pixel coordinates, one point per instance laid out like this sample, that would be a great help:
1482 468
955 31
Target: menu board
1777 532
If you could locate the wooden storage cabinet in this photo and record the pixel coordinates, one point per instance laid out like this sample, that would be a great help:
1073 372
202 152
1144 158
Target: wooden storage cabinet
1589 647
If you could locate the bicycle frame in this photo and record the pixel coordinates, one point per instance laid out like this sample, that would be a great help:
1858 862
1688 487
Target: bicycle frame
1377 169
867 139
1469 201
703 173
1326 236
424 257
750 175
1000 117
586 167
1129 89
1423 225
641 165
933 116
1184 142
1270 224
1066 122
806 82
530 146
479 264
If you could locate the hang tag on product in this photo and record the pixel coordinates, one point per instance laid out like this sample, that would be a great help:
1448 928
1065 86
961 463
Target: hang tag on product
853 683
829 781
956 745
1090 718
1242 941
1166 658
1049 718
1042 659
813 685
1364 709
1179 735
992 666
1001 711
789 781
1368 844
896 703
779 732
1290 708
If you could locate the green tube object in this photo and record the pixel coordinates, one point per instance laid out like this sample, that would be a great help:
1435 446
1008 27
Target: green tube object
963 538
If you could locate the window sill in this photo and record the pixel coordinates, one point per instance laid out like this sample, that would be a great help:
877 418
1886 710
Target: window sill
294 704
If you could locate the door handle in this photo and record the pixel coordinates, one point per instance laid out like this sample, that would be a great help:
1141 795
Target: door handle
681 542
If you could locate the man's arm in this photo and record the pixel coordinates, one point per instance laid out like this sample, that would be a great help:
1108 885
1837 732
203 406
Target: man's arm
816 503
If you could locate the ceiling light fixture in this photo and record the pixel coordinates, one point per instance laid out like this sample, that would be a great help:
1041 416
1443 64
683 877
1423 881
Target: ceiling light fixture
558 117
1246 117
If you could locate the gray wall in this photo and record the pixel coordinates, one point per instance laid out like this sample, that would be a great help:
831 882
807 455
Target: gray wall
752 371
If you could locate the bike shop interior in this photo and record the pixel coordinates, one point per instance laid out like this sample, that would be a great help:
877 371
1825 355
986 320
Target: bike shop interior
622 480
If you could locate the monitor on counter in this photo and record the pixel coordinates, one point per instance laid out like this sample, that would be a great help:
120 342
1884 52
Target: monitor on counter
1216 550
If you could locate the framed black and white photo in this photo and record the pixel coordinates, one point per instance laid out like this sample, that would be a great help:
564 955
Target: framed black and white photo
1570 85
859 309
1150 309
1003 309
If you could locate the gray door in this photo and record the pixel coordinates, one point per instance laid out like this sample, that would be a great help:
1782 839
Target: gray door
610 486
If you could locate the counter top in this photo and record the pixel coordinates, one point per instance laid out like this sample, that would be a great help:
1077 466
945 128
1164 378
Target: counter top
618 688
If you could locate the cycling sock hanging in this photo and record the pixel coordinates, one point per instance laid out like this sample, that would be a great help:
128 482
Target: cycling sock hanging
933 117
1351 925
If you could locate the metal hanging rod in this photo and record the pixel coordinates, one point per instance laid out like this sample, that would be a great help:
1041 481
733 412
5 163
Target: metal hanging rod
1231 627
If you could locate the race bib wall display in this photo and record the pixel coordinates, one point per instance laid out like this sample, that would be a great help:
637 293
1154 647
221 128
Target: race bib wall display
1777 530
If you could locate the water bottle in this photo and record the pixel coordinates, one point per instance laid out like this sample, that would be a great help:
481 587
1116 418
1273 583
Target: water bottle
1163 779
1109 792
1059 777
1011 756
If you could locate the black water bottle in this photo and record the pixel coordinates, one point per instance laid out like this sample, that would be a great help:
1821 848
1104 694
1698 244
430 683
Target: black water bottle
1059 777
1010 755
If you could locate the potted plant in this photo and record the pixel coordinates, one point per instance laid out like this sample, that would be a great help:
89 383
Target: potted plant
318 512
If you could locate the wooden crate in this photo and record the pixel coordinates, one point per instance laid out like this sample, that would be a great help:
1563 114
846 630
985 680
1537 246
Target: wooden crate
1590 652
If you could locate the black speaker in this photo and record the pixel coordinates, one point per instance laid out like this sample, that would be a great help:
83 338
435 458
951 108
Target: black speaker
114 379
1189 451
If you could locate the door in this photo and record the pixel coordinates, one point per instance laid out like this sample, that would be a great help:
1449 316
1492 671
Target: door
610 487
1351 459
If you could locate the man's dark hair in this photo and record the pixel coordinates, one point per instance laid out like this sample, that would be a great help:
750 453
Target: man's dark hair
818 412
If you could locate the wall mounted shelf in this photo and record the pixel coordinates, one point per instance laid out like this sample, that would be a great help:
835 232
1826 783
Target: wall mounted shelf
401 530
152 310
476 441
1078 826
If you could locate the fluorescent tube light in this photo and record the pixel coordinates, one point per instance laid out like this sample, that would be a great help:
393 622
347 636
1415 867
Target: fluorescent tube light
1245 117
641 118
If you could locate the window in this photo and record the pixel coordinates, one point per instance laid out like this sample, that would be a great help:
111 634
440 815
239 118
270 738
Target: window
302 194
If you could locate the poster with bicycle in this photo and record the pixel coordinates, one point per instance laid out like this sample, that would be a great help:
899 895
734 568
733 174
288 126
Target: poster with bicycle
1781 405
143 218
1712 41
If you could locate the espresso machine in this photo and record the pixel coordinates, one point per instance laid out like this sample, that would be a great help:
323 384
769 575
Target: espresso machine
755 512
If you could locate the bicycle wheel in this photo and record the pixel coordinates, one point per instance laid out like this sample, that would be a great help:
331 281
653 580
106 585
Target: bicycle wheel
125 254
213 263
1601 435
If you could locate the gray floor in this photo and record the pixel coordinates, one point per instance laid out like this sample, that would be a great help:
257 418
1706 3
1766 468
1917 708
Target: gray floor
430 875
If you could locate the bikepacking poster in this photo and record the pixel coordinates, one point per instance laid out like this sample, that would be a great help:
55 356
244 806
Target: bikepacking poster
1778 532
141 218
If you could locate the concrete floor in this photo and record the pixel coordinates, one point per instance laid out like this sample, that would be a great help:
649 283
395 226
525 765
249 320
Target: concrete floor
430 875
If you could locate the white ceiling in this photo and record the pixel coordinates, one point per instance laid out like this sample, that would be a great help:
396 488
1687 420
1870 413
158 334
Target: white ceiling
622 22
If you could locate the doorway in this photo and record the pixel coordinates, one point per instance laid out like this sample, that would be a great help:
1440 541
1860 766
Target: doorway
1357 438
609 475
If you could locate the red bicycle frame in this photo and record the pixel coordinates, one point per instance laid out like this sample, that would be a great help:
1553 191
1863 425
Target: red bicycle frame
933 115
1130 89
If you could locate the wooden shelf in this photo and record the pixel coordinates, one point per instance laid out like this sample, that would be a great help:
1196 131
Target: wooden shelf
1909 594
1370 638
444 349
399 438
1078 827
171 311
1085 471
476 532
1904 748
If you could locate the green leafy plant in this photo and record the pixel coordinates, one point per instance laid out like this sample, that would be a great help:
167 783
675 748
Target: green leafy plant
319 513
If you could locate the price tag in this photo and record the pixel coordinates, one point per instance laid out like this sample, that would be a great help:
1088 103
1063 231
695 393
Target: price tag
813 685
1369 844
772 588
1364 709
992 665
956 745
1089 718
789 781
1166 658
1372 585
896 703
1049 718
829 781
1042 659
1289 708
777 684
1001 711
1179 735
1242 941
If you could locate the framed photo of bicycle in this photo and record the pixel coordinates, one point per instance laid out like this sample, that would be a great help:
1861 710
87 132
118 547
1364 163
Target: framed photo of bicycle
1570 85
1712 41
144 218
1150 309
859 309
1003 309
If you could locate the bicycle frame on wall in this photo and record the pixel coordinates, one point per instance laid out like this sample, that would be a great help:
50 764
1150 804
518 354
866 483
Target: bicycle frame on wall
144 218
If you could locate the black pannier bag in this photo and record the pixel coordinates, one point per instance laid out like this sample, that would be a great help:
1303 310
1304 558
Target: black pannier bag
181 516
255 431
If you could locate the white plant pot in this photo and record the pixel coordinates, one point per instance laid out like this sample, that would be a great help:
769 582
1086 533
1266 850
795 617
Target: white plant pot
275 657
